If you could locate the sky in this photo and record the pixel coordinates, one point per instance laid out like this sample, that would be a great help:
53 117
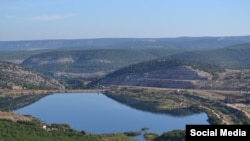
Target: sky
84 19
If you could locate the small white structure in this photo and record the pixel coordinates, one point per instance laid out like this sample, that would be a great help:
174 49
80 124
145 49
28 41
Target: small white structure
44 127
17 87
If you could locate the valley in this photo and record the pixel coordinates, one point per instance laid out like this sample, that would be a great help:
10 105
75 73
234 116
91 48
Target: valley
209 75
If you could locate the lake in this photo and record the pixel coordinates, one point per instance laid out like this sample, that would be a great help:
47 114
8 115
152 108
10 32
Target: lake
97 113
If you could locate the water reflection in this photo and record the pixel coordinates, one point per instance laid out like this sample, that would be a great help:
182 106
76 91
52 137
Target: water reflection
96 113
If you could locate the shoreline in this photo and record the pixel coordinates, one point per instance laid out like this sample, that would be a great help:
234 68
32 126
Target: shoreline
211 95
4 93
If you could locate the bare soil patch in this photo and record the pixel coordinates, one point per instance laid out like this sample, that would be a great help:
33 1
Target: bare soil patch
14 117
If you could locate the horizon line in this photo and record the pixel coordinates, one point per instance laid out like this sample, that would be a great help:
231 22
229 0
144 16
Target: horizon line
96 38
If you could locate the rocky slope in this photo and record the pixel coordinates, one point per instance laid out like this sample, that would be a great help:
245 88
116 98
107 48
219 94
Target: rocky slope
16 77
174 77
172 73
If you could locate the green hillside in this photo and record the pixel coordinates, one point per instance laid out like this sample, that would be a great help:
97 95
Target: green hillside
34 131
166 63
234 57
90 61
164 72
76 68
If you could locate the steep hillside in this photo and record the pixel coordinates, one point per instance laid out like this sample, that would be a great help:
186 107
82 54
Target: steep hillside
172 73
177 73
16 77
233 57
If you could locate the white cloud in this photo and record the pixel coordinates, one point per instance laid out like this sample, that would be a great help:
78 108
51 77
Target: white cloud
47 17
15 8
9 17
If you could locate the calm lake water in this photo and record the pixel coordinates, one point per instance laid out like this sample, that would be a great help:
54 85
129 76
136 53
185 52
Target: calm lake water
96 113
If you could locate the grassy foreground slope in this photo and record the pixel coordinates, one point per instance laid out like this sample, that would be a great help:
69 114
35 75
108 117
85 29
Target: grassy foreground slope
34 131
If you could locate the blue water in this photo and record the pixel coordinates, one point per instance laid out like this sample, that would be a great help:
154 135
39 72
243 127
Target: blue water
96 113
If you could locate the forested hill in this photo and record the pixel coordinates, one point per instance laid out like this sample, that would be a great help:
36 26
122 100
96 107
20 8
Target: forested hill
79 67
164 64
234 57
183 43
90 61
16 77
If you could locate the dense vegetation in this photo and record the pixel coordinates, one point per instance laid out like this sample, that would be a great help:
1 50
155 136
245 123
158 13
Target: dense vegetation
164 72
30 131
77 67
175 135
109 60
88 61
33 131
165 63
234 57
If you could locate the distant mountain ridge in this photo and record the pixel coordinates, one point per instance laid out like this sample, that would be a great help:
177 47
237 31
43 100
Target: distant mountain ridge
184 43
